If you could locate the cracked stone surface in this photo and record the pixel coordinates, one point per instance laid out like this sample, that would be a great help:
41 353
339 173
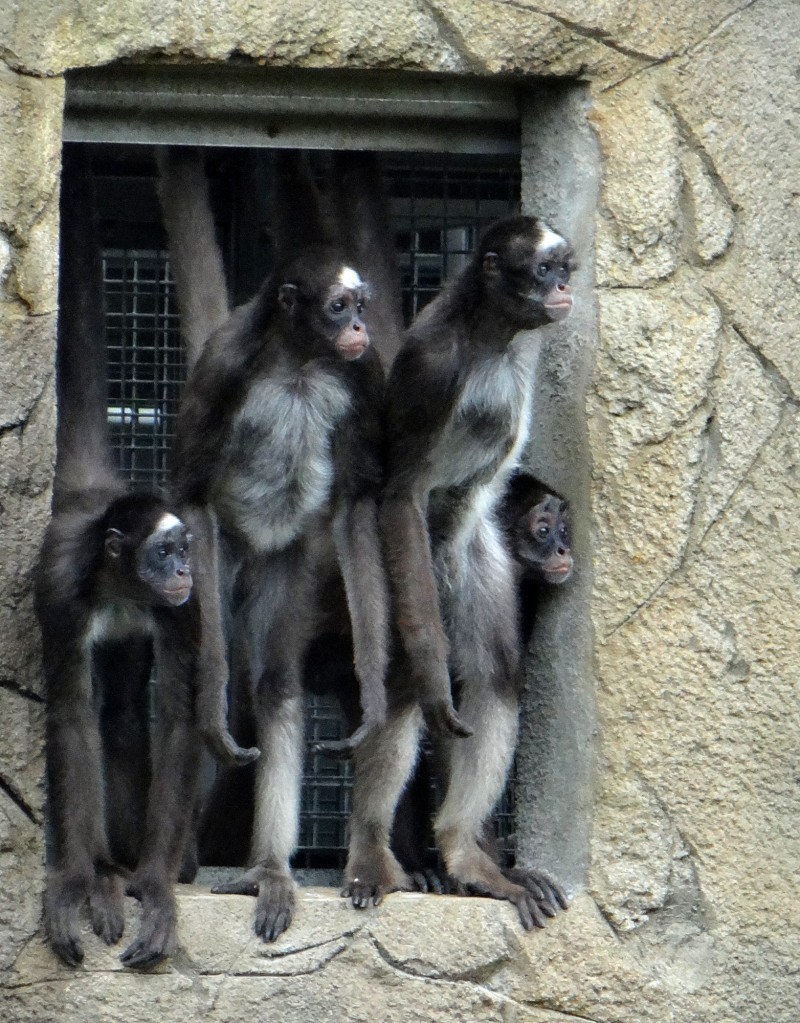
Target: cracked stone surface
660 768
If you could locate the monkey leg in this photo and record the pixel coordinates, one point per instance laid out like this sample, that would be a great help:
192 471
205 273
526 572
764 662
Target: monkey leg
481 619
272 633
277 800
383 764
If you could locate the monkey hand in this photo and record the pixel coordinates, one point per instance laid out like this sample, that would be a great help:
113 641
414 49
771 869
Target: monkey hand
441 719
226 750
343 749
156 937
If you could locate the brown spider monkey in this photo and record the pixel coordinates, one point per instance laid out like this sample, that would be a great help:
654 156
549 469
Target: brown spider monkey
113 598
538 527
343 209
278 468
458 409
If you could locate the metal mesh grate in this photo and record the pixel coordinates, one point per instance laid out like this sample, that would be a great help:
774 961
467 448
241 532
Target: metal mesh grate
146 365
438 207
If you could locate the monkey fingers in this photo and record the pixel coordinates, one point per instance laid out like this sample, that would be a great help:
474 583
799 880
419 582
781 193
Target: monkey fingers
275 908
343 749
64 898
155 941
442 719
106 905
226 750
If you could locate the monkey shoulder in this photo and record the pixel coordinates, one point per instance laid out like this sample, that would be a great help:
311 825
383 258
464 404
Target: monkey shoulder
70 557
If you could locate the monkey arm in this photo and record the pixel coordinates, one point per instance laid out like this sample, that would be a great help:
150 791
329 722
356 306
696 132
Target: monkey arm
212 666
75 794
196 257
170 801
421 393
355 531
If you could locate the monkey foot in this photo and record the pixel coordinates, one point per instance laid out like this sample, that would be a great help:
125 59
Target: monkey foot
535 895
374 878
247 884
155 941
275 891
428 882
548 893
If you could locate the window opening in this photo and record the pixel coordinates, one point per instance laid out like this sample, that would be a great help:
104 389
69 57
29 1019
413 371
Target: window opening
439 204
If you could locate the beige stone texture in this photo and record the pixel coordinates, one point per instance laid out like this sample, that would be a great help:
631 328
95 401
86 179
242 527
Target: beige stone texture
684 475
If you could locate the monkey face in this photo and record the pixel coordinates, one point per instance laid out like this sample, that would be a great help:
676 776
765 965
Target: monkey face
154 569
163 561
544 543
323 300
526 269
345 305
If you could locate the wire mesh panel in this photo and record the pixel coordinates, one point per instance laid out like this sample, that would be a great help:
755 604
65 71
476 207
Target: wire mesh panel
146 364
439 205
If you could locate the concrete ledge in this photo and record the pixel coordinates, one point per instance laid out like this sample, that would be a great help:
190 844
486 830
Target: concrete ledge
415 957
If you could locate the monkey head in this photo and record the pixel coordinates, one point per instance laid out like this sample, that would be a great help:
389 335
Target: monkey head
542 541
146 553
525 268
324 299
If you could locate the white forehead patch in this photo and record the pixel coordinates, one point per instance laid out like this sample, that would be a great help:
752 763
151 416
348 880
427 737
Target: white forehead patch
550 240
166 522
348 278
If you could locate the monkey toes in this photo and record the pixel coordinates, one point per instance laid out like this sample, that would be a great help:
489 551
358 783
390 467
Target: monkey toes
155 941
275 891
374 878
548 894
106 907
275 907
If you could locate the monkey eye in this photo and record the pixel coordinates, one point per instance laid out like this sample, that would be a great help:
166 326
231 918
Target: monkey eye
542 532
359 308
544 269
183 550
162 552
337 306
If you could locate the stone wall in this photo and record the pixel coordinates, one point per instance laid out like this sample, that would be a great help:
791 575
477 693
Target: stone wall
688 452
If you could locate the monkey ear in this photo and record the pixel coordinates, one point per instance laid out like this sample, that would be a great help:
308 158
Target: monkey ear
287 296
113 542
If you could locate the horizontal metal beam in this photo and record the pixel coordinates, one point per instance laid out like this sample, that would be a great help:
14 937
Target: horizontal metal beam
222 105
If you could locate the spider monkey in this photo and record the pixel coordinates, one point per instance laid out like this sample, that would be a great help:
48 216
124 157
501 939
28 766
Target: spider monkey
343 211
114 599
458 409
538 528
278 468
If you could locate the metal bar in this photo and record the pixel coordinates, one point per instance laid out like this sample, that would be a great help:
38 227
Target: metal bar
230 106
